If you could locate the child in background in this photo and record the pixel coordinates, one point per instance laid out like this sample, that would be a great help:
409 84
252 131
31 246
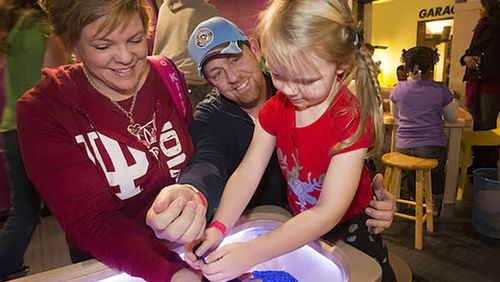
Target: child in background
322 133
420 104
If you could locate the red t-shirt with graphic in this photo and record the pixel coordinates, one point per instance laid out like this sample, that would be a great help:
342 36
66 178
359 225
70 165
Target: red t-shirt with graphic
305 153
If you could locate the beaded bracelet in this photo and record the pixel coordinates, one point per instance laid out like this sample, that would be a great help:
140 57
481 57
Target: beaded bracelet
219 226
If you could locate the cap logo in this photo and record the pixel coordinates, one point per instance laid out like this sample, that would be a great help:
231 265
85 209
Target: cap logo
204 37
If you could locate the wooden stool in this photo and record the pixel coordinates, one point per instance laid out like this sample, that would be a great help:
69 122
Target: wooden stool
395 162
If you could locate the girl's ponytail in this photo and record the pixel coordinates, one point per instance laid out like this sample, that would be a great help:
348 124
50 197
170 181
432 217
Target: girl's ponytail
369 95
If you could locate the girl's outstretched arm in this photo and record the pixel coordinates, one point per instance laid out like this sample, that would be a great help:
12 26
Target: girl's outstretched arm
241 186
340 186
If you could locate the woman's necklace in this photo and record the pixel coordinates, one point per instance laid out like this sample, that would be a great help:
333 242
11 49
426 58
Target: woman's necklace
133 127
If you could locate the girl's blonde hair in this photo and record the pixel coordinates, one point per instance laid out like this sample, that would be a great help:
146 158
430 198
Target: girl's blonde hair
69 17
290 29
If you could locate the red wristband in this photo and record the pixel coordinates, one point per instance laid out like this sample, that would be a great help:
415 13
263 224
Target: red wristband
202 198
219 225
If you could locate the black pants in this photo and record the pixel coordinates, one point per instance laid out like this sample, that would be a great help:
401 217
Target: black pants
439 153
356 233
24 213
485 109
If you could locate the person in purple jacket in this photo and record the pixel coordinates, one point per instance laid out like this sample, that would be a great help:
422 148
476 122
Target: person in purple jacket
421 104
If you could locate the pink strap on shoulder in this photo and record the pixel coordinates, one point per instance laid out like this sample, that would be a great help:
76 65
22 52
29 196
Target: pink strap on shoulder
173 80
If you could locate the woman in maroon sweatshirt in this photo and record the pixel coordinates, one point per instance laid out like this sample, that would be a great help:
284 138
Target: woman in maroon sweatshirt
101 138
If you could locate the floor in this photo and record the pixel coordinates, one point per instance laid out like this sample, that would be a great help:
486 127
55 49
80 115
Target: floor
48 248
454 252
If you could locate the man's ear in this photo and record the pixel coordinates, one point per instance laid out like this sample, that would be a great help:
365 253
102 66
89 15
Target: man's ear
255 47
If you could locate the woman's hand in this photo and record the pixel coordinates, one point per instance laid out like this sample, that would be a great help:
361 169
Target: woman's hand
472 62
177 214
229 262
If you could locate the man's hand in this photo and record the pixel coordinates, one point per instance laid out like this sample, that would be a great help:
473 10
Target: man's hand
177 214
381 210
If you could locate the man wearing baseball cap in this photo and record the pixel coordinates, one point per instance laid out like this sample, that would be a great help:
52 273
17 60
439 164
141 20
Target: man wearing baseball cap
223 125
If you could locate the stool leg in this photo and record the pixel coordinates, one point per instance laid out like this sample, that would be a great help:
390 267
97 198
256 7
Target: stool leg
396 182
387 179
419 185
428 200
465 163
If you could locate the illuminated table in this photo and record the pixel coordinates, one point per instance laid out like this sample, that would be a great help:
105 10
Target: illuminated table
454 130
317 261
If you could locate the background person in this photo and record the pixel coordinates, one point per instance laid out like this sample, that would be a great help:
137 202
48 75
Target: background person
100 139
305 66
176 21
27 44
420 104
483 78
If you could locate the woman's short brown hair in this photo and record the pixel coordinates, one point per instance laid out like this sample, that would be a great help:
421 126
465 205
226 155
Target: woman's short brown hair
69 17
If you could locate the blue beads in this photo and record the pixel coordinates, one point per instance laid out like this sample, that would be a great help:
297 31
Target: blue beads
274 276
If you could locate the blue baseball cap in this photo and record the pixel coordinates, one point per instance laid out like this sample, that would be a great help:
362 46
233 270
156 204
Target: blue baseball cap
210 34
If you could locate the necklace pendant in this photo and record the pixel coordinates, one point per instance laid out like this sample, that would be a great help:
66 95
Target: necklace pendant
133 128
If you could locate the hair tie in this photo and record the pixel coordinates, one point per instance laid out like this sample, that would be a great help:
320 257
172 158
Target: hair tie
403 55
359 37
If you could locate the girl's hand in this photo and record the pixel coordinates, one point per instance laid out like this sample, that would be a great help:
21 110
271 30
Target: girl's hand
229 262
210 241
190 257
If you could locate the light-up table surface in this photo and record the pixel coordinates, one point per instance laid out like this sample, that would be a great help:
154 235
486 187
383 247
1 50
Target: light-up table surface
318 261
